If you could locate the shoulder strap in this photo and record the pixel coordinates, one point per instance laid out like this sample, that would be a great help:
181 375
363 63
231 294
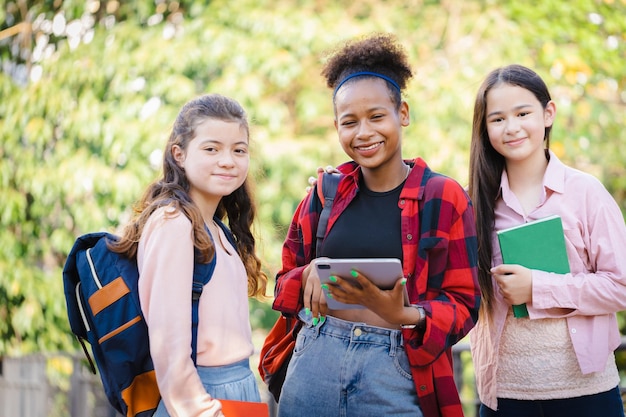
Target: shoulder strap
327 188
227 232
202 274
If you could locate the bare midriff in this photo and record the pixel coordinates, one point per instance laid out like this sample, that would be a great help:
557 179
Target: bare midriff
361 315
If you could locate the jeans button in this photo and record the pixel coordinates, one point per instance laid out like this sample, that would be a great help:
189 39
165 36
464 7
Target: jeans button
358 332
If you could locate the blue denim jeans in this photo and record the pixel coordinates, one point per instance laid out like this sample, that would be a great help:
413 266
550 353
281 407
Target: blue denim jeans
346 369
605 404
229 382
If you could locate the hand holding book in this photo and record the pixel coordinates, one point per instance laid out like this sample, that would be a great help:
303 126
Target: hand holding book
539 244
514 282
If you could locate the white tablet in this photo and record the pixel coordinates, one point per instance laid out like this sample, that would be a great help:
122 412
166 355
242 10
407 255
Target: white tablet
383 272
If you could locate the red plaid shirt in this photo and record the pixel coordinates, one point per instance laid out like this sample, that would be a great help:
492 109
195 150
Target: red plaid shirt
440 263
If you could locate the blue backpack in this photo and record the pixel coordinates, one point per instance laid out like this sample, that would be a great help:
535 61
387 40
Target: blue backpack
103 309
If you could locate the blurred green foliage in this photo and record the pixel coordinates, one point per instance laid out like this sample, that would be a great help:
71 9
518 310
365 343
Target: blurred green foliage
90 88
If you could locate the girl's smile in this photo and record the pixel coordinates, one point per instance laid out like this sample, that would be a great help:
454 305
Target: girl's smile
363 150
516 123
369 125
216 161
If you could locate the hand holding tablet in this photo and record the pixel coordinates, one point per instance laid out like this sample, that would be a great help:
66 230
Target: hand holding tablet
382 272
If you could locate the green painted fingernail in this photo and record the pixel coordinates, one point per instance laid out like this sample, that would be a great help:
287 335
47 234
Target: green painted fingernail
329 295
403 282
332 278
322 319
354 273
307 311
325 286
315 320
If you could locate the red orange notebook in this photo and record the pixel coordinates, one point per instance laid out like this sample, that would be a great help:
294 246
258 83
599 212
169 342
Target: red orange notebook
232 408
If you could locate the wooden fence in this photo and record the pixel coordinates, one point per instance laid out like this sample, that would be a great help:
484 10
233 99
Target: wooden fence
62 386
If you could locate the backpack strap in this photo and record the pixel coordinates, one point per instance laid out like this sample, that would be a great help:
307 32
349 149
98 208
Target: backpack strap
202 274
279 344
227 232
326 190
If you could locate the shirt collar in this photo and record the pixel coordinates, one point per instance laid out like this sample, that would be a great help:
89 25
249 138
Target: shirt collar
414 185
553 179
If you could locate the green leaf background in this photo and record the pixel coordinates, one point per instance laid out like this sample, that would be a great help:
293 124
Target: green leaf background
90 89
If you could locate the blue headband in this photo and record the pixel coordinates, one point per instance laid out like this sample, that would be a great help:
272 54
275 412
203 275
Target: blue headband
374 74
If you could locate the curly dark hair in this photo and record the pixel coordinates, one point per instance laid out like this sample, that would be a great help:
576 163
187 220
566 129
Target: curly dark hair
380 53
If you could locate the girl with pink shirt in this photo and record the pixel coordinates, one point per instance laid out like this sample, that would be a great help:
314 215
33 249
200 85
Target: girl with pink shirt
204 182
559 360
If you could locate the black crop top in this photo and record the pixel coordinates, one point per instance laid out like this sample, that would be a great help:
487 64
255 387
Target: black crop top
368 228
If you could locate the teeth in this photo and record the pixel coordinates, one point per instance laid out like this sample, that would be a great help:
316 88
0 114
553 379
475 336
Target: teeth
369 147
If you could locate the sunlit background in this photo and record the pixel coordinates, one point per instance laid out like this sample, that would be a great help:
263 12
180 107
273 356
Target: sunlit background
89 90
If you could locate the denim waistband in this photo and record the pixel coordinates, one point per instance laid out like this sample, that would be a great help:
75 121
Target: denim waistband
355 331
230 372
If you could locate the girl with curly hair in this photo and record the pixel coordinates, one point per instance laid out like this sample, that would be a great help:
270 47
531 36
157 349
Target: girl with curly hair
385 358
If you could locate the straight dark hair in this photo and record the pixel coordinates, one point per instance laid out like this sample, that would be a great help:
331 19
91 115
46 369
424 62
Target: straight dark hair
486 166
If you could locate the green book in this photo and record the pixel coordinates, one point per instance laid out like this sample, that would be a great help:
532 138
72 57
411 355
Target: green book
539 244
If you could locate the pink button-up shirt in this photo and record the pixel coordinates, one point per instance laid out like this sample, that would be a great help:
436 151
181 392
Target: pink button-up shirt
588 297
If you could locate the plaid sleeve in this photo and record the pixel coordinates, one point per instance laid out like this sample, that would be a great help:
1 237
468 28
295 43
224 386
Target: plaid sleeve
446 271
298 251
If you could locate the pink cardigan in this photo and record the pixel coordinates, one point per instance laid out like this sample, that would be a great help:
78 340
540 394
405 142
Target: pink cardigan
165 260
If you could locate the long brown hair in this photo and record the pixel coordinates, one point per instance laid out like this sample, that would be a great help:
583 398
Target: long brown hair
486 166
172 190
